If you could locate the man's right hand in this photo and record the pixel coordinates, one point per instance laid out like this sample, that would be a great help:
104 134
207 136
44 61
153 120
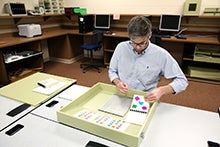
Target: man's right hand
122 87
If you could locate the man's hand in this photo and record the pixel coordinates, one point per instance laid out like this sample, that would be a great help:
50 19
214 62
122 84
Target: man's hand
153 96
156 94
122 87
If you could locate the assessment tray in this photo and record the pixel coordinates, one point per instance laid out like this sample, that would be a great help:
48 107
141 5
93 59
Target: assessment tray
90 102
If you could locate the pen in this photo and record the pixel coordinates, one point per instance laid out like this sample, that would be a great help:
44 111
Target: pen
40 84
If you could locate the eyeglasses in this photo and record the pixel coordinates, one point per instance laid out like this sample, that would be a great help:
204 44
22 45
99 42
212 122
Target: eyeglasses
142 44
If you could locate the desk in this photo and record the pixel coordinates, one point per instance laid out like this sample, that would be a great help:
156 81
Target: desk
65 45
194 39
23 90
6 106
171 126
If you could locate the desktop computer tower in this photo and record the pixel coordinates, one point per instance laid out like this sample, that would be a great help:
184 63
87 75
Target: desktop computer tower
86 23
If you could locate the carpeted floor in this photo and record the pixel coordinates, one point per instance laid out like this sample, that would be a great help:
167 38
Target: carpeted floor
198 95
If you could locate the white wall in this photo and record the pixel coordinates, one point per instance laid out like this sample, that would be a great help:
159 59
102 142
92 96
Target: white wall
125 6
137 6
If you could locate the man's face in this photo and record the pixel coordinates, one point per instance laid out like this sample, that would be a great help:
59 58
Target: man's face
140 43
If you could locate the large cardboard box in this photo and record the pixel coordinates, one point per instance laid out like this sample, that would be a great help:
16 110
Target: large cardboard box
90 102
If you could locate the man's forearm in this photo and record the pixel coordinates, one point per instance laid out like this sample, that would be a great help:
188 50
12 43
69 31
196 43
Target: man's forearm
166 90
116 81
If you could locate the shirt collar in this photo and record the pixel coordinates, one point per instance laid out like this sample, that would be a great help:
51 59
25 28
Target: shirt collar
143 51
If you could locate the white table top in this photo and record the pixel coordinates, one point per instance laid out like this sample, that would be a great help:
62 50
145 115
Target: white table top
177 126
170 126
40 132
63 99
6 106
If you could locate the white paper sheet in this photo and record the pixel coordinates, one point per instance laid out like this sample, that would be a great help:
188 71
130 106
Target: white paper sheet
49 90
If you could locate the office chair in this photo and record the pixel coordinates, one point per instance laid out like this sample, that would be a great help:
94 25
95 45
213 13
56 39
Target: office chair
156 40
96 43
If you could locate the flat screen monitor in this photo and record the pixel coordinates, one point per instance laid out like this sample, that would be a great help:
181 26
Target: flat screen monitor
169 22
102 21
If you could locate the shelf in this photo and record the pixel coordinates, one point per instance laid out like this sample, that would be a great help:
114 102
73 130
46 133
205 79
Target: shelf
18 18
203 73
187 59
19 58
210 81
25 73
109 50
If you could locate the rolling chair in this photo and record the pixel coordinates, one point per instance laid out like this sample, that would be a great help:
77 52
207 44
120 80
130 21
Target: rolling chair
156 39
96 43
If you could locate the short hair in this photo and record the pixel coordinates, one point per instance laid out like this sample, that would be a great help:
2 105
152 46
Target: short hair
139 26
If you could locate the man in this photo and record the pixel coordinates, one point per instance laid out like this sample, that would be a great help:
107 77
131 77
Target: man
138 64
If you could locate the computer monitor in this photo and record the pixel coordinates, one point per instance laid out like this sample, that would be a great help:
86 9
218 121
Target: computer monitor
170 22
102 21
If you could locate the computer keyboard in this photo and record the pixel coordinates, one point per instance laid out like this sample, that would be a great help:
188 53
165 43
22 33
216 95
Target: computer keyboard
165 36
161 35
102 31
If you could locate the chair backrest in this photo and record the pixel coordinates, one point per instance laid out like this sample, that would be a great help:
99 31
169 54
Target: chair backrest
156 40
97 38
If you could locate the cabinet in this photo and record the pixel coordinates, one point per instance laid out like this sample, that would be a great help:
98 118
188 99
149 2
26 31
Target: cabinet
22 56
202 60
196 67
20 60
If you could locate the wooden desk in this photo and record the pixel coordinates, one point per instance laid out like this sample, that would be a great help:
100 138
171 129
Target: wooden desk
65 44
62 43
191 39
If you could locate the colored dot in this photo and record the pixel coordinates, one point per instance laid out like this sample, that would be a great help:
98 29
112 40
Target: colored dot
134 106
144 108
141 103
137 98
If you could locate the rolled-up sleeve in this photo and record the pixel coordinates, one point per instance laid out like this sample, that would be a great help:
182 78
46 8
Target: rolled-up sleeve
179 81
179 84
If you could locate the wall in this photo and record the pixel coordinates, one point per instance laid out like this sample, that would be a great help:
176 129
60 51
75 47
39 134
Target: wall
137 6
124 6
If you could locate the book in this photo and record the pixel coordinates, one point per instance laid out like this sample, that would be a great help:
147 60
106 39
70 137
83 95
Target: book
138 110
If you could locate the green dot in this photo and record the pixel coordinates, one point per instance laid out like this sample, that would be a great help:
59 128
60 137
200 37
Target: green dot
134 106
